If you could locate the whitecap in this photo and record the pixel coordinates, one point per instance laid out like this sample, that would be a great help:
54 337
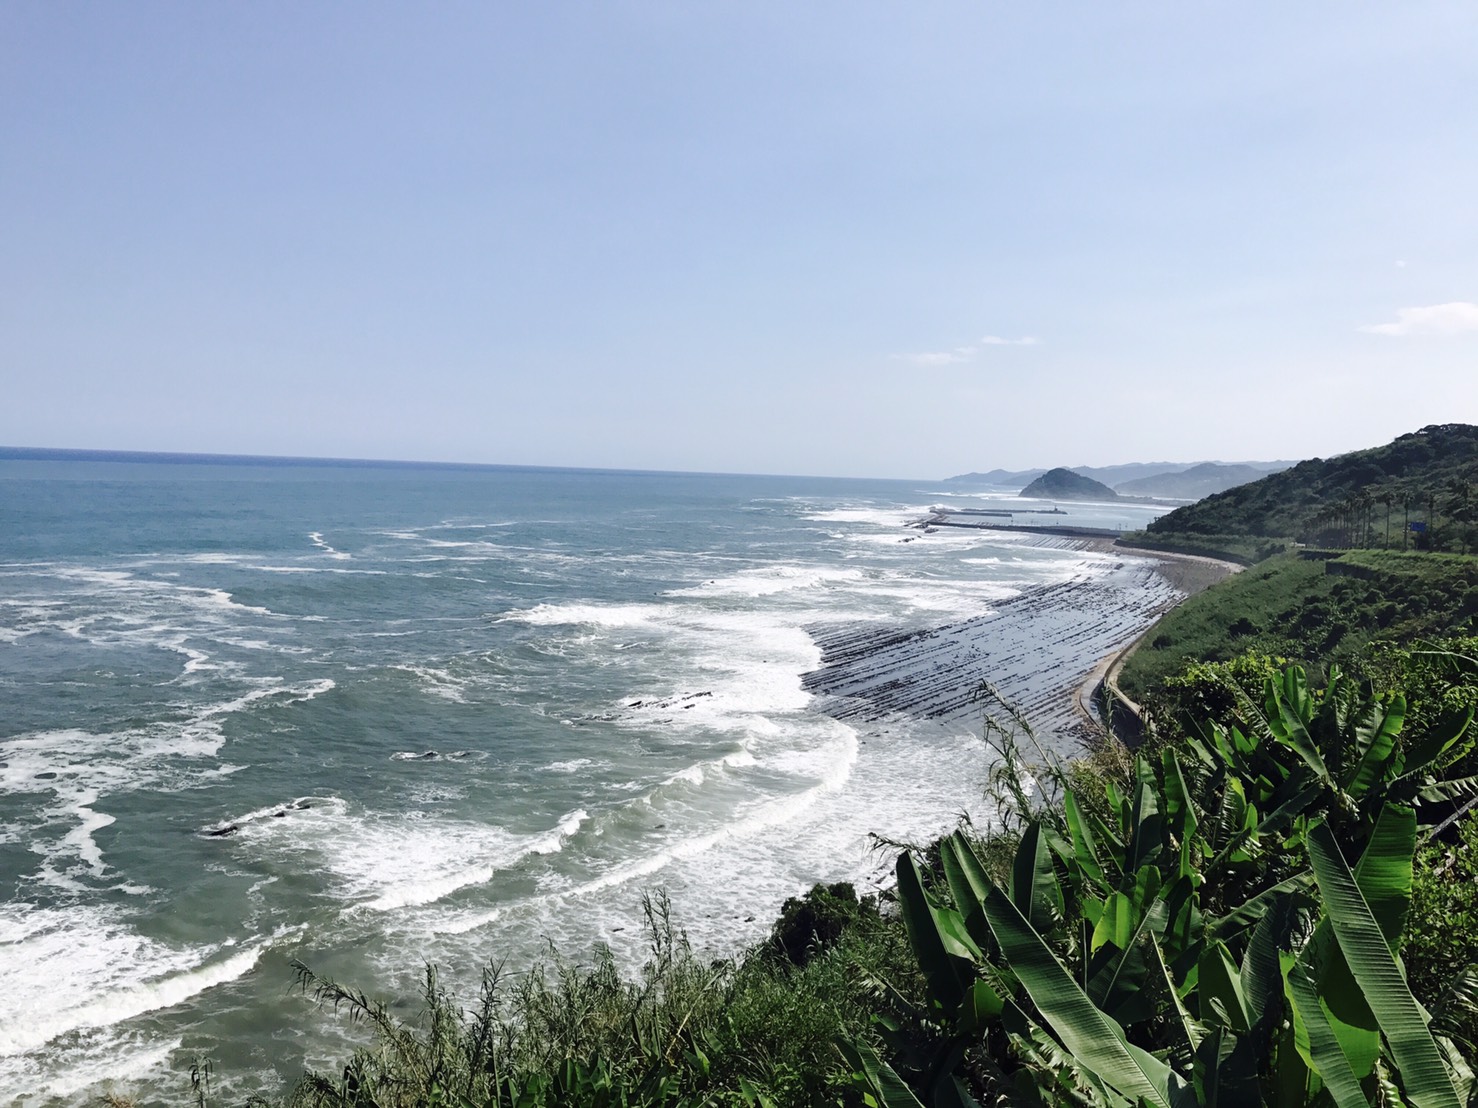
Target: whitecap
70 968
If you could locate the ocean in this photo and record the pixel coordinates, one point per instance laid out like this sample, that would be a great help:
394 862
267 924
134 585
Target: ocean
375 716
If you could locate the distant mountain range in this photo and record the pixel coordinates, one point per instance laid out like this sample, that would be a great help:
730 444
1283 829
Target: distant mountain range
1170 480
1196 482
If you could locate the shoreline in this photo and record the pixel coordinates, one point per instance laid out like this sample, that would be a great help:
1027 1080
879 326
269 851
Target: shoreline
1046 650
1189 574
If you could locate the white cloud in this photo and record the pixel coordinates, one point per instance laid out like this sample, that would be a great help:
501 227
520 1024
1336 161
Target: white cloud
1437 319
963 353
941 357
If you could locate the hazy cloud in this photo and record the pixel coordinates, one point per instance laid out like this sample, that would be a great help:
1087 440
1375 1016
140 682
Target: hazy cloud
963 353
940 357
1438 319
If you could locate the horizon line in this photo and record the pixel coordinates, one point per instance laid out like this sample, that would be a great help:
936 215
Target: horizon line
181 457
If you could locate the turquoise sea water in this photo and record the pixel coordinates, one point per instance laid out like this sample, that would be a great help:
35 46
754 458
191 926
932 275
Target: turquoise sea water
375 716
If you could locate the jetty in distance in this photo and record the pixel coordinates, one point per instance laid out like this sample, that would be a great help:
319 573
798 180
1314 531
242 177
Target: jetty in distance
976 519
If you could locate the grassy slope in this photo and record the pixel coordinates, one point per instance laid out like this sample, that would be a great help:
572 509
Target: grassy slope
1312 611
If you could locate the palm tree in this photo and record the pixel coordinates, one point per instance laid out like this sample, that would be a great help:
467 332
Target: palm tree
1460 491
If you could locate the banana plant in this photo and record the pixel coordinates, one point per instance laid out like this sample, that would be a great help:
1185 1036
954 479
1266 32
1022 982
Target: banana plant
1349 749
1111 965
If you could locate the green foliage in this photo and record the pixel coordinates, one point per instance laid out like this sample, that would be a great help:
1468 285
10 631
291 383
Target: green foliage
814 923
1437 677
1245 549
1312 611
1443 945
687 1031
1207 691
1358 499
1230 933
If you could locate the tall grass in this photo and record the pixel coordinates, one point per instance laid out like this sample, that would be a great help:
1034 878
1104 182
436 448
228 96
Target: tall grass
686 1030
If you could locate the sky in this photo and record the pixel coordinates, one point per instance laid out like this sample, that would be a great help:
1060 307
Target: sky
853 239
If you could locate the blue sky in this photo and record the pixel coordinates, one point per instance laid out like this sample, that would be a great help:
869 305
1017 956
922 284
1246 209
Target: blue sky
854 239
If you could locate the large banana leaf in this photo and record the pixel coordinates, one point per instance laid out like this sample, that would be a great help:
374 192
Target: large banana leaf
1375 729
1034 888
1383 873
1324 1055
1252 910
885 1089
1094 1039
1261 975
967 882
1148 835
1219 990
1423 1074
1289 714
1185 1025
1085 855
1120 979
1456 789
938 936
1434 746
1123 911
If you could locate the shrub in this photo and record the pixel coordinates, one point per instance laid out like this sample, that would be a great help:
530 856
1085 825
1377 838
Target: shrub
1230 934
1443 926
813 923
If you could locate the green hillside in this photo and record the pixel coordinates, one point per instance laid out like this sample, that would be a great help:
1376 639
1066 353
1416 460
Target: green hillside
1362 499
1312 610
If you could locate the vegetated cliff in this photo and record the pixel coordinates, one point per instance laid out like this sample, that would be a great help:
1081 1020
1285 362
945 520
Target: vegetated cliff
1194 483
1312 610
1364 498
1064 484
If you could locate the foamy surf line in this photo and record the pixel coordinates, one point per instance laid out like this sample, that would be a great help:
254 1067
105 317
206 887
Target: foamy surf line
175 985
764 815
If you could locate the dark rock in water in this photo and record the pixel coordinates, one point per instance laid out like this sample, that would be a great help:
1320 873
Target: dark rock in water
46 776
279 813
222 832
